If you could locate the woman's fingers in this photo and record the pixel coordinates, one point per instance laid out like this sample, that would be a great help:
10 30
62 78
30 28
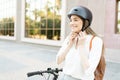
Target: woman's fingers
73 35
81 35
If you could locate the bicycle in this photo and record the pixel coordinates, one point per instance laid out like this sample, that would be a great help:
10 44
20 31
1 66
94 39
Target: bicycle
49 71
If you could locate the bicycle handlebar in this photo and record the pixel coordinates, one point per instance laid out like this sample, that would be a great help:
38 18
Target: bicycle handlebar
49 70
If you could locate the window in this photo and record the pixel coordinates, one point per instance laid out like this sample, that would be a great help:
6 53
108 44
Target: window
118 17
43 19
7 17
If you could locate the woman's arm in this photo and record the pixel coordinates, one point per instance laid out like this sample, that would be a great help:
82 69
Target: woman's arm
68 43
62 53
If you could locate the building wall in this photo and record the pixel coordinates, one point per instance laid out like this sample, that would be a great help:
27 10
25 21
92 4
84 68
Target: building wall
104 14
103 23
112 39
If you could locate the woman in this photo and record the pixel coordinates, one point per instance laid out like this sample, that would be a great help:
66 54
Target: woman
80 62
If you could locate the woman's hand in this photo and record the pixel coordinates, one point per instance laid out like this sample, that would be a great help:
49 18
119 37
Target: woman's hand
77 38
73 36
81 38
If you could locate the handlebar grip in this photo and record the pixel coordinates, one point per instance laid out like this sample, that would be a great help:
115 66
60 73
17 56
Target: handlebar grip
33 73
49 70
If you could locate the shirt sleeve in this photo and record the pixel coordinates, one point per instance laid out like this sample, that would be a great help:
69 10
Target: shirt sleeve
94 55
64 45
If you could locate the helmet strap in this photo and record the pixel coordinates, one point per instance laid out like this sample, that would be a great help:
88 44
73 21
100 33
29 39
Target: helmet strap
85 24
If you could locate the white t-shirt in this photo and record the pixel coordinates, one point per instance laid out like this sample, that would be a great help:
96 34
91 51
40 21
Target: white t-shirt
73 60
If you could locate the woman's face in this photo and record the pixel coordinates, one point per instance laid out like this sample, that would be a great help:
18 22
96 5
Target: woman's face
76 23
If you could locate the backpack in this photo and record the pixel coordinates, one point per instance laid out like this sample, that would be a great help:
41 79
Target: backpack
100 70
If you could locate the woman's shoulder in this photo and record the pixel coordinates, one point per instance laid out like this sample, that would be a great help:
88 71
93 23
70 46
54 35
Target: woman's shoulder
97 39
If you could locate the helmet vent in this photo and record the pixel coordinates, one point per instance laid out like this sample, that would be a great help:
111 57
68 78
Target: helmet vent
75 9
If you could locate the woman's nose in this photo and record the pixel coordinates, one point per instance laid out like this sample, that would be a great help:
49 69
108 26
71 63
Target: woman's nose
72 22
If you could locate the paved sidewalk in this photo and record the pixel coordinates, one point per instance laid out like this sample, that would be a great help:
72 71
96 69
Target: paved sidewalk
17 59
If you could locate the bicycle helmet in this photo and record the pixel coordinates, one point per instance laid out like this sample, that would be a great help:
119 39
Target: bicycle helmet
84 13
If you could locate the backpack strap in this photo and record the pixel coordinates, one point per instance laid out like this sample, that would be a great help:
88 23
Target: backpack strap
91 43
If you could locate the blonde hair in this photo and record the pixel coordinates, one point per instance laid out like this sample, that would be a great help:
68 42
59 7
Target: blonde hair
90 31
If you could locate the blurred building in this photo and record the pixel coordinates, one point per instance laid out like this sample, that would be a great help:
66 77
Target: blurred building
45 22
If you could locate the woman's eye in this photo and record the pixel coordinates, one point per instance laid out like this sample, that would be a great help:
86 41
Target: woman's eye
75 20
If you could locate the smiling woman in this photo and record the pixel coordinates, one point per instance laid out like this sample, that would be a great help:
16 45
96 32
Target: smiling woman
76 23
81 61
